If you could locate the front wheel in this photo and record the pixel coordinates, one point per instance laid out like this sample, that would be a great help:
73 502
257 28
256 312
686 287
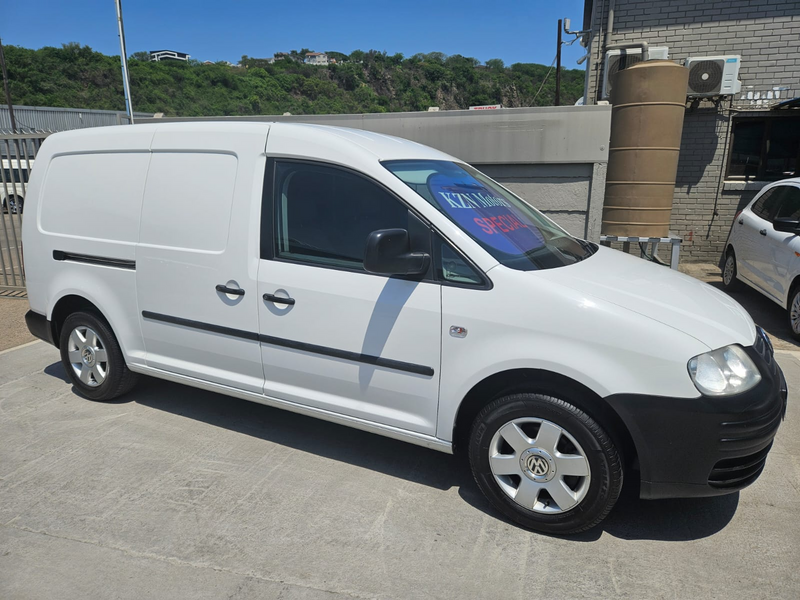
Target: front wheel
793 312
544 463
93 358
729 281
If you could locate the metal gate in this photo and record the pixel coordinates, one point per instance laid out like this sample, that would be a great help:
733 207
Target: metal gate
17 155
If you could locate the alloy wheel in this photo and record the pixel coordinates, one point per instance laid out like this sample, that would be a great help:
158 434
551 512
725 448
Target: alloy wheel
794 313
539 465
88 356
730 268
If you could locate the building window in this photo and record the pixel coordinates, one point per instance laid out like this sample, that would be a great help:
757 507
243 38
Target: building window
765 149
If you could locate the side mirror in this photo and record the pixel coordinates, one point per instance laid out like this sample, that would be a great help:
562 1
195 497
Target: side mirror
786 225
389 253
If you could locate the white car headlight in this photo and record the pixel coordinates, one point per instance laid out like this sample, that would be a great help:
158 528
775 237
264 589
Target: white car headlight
724 372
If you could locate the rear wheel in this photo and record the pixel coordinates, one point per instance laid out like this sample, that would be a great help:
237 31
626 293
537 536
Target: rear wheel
93 358
544 463
729 281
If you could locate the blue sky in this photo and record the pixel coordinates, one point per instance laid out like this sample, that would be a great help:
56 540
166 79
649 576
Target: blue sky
513 31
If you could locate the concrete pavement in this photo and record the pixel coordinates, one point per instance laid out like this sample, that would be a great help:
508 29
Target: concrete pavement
178 493
13 330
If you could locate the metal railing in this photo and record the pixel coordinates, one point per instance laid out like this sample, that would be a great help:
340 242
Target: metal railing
17 155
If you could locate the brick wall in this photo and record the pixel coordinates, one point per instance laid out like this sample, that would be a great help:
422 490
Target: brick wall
766 34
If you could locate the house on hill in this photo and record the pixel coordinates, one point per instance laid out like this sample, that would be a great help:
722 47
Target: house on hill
316 58
159 55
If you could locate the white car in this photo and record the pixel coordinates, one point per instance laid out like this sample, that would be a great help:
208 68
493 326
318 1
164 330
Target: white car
384 285
13 178
763 248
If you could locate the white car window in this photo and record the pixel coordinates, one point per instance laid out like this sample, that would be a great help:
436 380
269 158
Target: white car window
789 207
763 207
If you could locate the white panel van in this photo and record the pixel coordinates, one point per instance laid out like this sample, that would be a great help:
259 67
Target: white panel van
381 284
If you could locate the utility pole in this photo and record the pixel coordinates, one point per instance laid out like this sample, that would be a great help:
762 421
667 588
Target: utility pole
8 93
558 66
126 82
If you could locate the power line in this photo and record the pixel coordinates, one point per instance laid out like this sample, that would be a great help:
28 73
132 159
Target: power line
544 80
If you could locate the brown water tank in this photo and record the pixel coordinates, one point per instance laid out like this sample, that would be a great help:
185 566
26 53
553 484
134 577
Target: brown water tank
648 101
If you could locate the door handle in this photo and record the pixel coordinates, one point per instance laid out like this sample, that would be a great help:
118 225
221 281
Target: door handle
278 299
741 221
763 232
229 290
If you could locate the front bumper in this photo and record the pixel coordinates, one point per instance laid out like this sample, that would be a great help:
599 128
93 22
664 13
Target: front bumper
706 446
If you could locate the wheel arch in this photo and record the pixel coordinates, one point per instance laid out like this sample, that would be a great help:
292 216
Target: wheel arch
792 288
67 305
543 382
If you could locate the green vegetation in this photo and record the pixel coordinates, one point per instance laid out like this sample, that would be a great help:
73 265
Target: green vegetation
76 76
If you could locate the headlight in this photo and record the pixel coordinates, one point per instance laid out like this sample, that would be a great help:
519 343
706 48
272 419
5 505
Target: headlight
724 372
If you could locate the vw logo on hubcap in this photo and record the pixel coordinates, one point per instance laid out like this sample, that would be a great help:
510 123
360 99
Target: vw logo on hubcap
537 464
88 356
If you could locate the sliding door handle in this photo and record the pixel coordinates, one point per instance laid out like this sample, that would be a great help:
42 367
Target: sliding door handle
278 299
229 290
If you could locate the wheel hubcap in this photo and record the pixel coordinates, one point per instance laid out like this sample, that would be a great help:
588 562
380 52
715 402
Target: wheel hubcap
88 356
795 313
539 465
727 275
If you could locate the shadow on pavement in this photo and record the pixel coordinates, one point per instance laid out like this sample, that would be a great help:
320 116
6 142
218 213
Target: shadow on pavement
57 370
677 520
667 520
308 434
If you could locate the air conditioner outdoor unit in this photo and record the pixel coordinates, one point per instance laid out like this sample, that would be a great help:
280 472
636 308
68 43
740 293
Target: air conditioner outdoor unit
713 75
617 60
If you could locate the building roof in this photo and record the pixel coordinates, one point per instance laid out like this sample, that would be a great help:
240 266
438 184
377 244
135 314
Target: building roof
793 103
173 51
315 53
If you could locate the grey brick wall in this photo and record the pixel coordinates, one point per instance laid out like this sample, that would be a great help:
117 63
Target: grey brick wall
766 34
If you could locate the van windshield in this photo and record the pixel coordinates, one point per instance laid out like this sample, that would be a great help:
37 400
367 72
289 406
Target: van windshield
510 229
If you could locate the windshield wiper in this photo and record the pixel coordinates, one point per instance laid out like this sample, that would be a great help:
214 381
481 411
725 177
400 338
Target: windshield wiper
588 246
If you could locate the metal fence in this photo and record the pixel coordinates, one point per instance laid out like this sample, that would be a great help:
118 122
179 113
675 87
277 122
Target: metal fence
17 155
47 118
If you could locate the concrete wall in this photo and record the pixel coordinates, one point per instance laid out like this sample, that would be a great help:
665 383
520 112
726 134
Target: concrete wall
554 157
766 34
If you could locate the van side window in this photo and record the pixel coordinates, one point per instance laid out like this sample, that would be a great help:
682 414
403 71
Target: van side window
324 215
763 206
451 266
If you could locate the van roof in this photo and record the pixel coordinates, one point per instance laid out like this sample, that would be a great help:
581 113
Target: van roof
138 137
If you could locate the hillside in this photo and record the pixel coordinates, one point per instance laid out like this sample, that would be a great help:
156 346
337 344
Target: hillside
77 76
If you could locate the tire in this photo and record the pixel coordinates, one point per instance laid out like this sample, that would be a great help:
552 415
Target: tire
93 358
13 205
729 271
562 475
793 312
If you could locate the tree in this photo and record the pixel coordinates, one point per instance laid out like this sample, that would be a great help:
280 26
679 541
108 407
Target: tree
76 76
495 64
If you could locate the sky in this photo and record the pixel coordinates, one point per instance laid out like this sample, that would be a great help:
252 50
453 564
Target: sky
514 31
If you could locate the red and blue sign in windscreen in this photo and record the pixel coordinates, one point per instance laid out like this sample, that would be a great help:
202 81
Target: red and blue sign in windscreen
484 214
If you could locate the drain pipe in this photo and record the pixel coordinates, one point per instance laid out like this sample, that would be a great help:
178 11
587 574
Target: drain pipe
610 24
